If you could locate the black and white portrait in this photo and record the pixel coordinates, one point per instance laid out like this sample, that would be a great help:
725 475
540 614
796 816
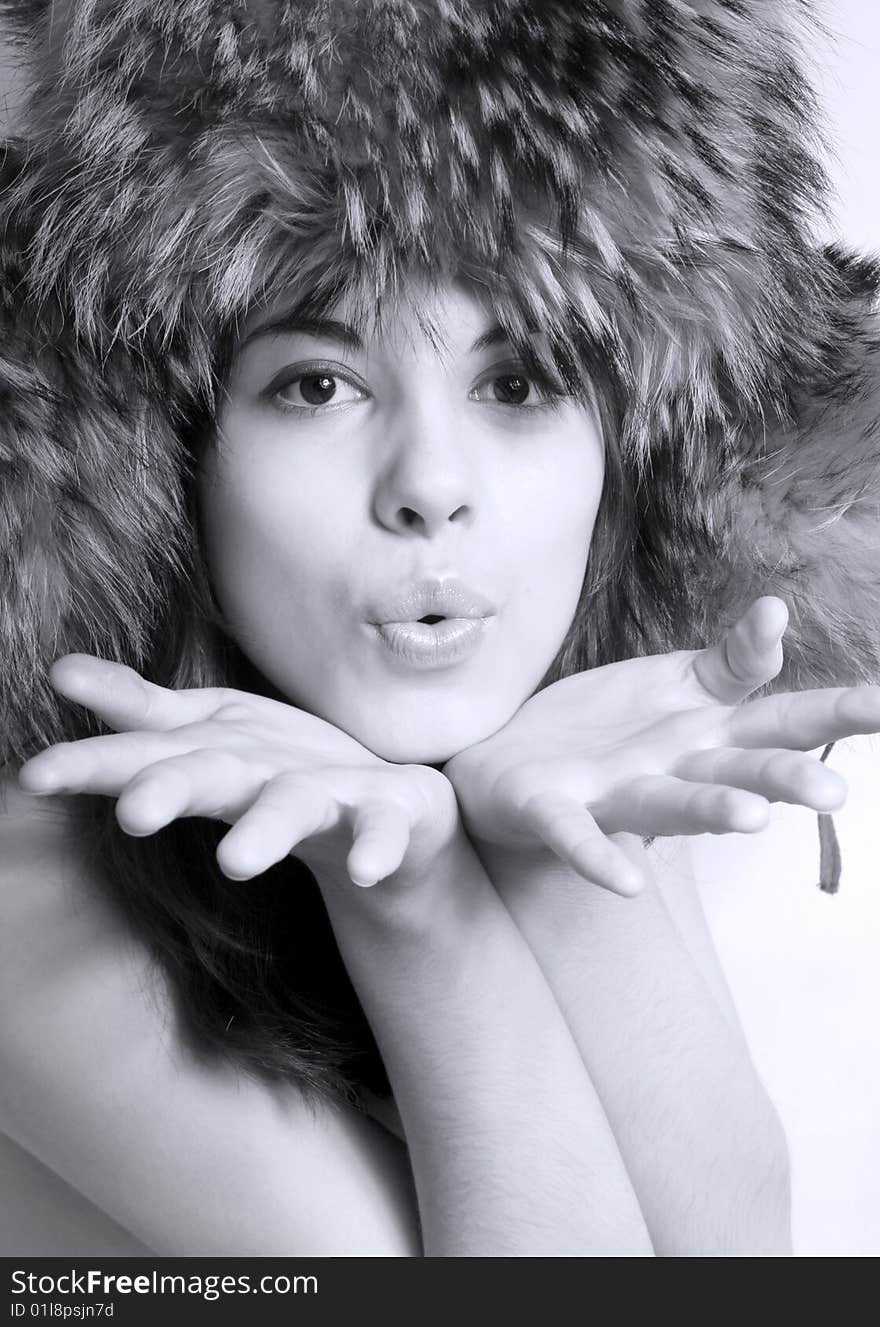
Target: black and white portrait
439 628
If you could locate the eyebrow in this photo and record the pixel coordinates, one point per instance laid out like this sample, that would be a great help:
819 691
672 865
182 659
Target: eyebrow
493 337
292 323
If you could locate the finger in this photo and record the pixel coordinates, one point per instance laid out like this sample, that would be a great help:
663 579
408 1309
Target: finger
98 764
570 831
805 720
106 764
749 656
287 812
662 804
215 784
777 774
382 832
124 700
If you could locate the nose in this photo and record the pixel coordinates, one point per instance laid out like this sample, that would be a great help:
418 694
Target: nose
426 482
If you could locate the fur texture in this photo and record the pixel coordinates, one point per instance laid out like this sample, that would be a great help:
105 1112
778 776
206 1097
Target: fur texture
641 170
639 178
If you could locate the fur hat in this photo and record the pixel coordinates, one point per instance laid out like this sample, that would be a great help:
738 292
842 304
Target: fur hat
639 178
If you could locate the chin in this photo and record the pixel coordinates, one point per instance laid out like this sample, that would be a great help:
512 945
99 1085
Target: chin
426 743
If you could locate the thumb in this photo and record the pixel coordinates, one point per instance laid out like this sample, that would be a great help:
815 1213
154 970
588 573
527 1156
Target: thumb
749 656
125 700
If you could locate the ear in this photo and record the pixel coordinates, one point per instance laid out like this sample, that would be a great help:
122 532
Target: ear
92 521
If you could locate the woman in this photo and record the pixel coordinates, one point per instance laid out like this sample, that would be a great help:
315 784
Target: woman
659 353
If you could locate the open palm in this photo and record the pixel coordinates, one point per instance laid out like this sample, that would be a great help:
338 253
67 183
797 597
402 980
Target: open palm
658 745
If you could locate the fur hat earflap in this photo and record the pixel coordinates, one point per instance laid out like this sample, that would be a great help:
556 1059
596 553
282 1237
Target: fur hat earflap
784 503
94 532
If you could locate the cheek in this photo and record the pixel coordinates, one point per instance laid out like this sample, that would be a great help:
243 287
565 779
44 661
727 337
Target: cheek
556 520
275 548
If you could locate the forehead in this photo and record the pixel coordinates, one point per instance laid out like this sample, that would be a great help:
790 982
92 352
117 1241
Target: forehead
445 317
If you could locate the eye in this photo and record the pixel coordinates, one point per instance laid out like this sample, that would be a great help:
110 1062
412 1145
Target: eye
518 388
308 390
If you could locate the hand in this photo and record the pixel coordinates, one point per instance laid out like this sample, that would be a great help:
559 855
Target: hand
283 779
658 745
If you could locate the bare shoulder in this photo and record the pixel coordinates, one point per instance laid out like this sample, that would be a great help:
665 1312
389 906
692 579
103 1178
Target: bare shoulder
190 1157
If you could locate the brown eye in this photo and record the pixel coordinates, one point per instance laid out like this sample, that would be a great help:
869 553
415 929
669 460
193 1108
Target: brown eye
519 389
306 392
511 388
317 388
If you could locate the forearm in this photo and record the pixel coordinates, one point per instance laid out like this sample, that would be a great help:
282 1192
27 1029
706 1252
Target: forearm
511 1149
697 1132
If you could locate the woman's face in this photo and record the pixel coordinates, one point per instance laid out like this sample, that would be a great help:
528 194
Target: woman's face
397 530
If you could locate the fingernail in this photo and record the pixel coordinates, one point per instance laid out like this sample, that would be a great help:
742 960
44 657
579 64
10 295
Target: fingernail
630 885
364 883
47 784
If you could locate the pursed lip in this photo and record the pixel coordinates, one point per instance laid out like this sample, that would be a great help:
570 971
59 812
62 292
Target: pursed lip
448 598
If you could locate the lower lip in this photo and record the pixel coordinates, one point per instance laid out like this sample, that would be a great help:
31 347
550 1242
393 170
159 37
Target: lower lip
425 646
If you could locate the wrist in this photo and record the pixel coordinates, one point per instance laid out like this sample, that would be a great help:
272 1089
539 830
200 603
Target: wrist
418 902
535 861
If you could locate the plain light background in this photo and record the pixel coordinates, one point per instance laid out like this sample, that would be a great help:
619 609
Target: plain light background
804 967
